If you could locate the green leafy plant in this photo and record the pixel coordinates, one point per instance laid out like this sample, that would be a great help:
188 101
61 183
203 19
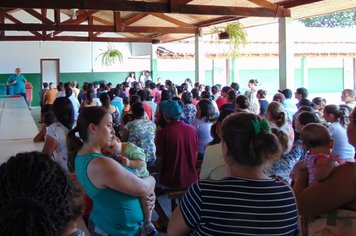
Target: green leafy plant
110 56
236 34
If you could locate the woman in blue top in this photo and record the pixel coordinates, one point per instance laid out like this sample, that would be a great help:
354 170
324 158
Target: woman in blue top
114 189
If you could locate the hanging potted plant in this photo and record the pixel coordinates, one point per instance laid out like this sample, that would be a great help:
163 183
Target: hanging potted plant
110 56
236 35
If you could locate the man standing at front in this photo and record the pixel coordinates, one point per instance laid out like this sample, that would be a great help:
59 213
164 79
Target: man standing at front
17 83
177 149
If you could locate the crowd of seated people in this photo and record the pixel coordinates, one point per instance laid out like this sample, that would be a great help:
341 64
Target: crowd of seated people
139 138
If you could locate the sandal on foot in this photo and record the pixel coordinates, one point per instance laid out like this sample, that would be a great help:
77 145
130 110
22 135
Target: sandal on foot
150 229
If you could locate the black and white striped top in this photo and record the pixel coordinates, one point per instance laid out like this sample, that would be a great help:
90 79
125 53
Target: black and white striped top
240 206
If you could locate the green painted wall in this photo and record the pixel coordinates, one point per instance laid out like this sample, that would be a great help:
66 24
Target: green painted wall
113 77
320 80
34 79
325 80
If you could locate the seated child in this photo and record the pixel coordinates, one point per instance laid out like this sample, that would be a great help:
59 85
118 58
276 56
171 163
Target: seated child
48 119
318 161
130 155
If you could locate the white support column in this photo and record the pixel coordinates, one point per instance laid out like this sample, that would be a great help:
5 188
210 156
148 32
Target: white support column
199 58
304 71
286 54
154 62
348 73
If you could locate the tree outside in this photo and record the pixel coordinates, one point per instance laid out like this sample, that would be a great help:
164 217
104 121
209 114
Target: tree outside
340 19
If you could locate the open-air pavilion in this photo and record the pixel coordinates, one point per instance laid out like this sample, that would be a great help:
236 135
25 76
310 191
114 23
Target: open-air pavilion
155 21
31 30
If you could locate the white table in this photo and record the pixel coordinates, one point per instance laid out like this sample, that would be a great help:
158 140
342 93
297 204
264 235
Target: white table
17 128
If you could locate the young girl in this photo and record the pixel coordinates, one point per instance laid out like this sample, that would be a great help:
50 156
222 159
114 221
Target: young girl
338 118
55 141
277 118
318 161
114 189
205 117
130 155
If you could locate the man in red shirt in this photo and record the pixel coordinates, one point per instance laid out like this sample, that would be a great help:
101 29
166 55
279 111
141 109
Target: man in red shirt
177 148
176 151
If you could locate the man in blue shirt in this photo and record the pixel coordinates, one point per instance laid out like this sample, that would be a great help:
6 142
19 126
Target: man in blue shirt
17 83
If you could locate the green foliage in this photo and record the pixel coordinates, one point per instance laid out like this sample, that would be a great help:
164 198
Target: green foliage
340 19
236 34
110 56
237 37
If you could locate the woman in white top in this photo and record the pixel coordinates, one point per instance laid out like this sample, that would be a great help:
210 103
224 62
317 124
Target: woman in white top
338 118
277 118
213 166
205 117
55 143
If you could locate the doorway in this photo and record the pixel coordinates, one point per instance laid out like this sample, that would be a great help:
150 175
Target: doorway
50 71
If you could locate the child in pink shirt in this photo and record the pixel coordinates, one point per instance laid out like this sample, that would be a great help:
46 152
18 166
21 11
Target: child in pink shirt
318 161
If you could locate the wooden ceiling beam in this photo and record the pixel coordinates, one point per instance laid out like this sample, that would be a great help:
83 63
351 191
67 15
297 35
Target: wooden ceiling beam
97 28
40 27
219 20
17 23
225 11
180 1
44 12
135 18
90 22
39 16
160 7
109 5
295 3
274 7
117 21
97 34
74 38
2 21
80 18
102 21
6 10
170 19
163 30
57 16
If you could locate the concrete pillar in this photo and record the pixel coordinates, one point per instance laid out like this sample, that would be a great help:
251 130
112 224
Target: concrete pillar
213 71
354 72
233 74
154 63
304 72
286 54
199 59
348 73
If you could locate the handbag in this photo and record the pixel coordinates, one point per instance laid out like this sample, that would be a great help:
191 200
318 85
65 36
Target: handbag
341 222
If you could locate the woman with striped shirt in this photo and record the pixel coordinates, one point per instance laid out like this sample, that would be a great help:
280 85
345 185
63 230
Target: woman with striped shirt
246 202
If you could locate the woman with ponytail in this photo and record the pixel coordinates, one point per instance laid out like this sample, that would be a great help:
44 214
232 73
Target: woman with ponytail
113 188
277 118
337 116
246 201
55 141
